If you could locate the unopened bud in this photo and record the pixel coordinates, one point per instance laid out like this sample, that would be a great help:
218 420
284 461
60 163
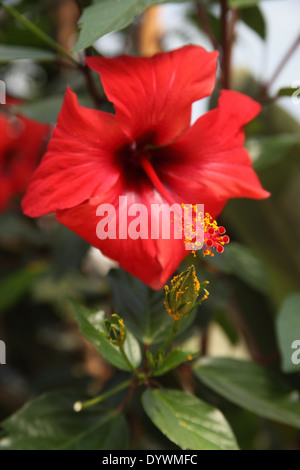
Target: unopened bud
116 329
182 296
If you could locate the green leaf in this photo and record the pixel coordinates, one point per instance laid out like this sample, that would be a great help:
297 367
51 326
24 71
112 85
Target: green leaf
33 28
288 333
267 151
92 326
242 3
15 285
142 308
252 387
244 263
50 423
172 360
45 110
106 16
10 53
287 91
187 421
253 18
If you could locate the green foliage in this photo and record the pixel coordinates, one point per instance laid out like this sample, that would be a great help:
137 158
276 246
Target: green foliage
286 91
50 423
187 421
253 18
252 387
255 278
268 150
105 16
243 263
142 308
92 326
15 285
243 3
11 53
172 360
288 332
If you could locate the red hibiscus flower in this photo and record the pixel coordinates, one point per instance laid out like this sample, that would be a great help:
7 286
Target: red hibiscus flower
22 143
148 152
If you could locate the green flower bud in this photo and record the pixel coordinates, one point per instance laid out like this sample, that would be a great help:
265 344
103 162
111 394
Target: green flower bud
116 329
182 296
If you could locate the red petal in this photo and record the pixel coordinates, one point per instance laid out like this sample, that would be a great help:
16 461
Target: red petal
153 96
78 162
209 164
152 261
21 145
29 147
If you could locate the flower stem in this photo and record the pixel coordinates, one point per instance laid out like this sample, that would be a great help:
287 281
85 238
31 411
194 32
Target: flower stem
90 86
125 357
225 45
78 406
171 336
281 65
204 22
38 32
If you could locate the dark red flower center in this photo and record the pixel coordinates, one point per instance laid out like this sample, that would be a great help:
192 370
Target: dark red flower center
129 159
139 164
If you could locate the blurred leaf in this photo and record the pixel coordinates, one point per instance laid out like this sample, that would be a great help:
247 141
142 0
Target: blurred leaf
267 151
50 423
15 285
252 387
10 53
48 108
242 3
215 25
45 110
15 229
172 360
68 250
244 263
142 308
287 91
91 325
253 18
221 317
187 421
55 289
105 16
272 227
288 330
36 30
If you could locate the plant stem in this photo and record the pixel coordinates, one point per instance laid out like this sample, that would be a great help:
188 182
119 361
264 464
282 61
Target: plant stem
94 401
204 22
131 366
204 343
128 397
38 32
281 65
90 85
225 45
170 338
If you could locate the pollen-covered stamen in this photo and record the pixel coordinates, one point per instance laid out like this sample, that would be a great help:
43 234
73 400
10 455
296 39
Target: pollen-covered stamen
214 237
